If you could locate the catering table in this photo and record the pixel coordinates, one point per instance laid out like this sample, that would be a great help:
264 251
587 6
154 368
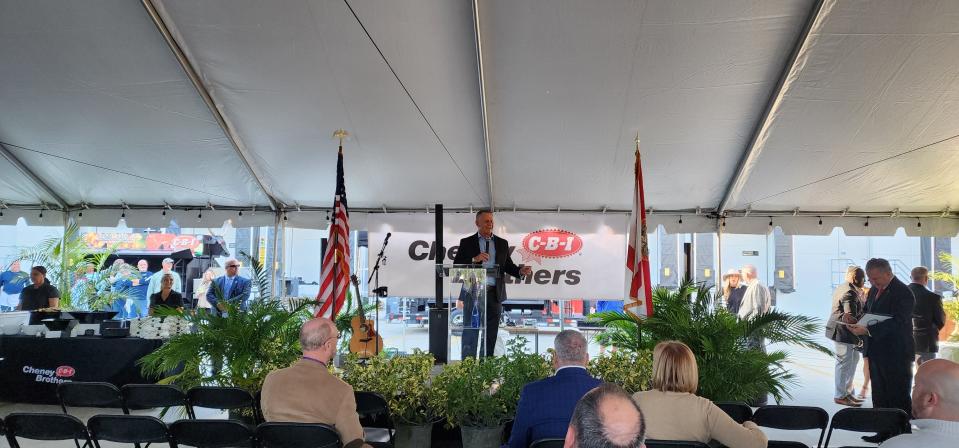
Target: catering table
31 367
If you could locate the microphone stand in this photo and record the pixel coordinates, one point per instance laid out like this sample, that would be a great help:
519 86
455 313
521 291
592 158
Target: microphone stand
375 277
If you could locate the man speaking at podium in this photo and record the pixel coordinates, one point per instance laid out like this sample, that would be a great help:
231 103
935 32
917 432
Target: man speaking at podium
487 250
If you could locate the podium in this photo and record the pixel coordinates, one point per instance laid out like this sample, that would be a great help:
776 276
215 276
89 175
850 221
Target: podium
466 287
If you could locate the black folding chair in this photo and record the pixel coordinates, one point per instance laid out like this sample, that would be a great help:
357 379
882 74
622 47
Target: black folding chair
151 396
793 418
216 397
877 420
547 443
91 394
738 410
134 429
37 426
374 412
297 435
674 444
203 433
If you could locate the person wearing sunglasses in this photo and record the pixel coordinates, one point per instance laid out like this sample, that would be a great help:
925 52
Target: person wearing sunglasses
229 288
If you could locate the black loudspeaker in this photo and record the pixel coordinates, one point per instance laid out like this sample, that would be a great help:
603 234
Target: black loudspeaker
439 328
215 246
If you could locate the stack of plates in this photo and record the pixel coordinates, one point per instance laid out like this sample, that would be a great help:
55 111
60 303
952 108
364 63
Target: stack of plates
159 327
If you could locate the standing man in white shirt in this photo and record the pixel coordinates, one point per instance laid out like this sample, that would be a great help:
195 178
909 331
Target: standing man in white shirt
756 300
935 406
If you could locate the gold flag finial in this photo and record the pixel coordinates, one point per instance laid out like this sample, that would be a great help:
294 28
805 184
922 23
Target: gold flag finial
341 134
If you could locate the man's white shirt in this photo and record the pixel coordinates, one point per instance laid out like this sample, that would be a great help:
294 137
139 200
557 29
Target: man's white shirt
929 433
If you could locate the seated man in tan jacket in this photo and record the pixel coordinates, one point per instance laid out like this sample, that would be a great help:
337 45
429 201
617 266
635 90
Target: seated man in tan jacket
306 392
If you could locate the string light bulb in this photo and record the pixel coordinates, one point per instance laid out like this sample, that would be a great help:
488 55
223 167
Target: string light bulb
918 223
867 222
820 222
680 219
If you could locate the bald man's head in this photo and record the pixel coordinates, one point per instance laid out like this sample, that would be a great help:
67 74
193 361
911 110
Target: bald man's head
314 337
936 393
606 417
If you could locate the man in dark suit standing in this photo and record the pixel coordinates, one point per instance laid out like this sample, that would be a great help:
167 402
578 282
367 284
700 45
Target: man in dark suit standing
229 288
928 317
484 249
546 406
888 344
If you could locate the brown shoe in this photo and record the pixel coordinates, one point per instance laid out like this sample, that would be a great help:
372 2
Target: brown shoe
846 401
853 398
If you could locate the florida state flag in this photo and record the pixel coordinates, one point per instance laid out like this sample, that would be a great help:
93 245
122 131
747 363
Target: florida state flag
639 297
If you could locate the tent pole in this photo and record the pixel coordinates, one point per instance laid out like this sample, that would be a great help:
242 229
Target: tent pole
274 266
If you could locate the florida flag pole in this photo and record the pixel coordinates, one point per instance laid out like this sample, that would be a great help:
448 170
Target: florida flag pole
639 297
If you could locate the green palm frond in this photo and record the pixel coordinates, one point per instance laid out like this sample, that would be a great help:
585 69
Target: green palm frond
720 341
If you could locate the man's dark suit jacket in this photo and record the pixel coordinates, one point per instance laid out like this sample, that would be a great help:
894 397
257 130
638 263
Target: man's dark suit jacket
470 247
845 299
891 338
546 406
928 318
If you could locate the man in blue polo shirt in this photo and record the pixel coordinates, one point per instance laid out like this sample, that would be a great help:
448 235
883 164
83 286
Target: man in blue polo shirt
12 282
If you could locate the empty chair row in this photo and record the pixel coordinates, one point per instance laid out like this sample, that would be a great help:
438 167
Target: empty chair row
146 429
149 396
798 418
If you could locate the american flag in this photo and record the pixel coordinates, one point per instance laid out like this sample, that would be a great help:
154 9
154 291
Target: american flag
639 297
335 271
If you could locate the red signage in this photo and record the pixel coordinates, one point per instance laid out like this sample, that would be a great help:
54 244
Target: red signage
551 243
65 372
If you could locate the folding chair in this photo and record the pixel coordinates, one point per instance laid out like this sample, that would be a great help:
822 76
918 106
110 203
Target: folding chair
38 426
739 411
878 420
151 396
203 433
134 429
674 444
547 443
216 397
374 413
90 394
793 418
297 435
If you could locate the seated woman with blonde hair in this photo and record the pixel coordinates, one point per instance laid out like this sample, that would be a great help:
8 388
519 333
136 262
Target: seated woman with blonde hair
674 412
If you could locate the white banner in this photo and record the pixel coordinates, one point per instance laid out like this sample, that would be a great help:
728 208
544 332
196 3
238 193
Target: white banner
572 256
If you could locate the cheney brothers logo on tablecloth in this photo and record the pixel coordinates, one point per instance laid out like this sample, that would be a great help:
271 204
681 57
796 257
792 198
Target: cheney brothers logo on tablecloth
550 243
59 375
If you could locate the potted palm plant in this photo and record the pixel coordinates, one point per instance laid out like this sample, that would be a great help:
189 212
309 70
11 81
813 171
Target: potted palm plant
244 345
729 369
405 382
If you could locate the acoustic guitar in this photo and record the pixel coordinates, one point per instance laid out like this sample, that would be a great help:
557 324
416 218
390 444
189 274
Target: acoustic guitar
365 342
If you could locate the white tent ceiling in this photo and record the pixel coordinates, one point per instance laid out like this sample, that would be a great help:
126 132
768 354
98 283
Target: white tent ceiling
762 105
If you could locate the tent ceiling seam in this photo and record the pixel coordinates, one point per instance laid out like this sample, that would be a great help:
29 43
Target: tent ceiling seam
410 96
484 112
26 171
772 104
191 73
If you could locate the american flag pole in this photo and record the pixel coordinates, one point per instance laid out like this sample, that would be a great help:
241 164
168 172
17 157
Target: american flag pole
334 280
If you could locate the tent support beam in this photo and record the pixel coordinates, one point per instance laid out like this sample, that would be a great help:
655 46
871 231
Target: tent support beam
28 173
484 113
775 99
228 130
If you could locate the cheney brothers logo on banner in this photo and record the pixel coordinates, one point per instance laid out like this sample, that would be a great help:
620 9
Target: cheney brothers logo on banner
572 256
61 374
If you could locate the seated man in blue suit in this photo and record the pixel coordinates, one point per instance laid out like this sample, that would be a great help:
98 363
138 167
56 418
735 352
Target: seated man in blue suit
230 288
546 406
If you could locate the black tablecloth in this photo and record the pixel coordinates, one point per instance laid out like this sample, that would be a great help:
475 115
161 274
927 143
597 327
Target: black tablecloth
32 367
